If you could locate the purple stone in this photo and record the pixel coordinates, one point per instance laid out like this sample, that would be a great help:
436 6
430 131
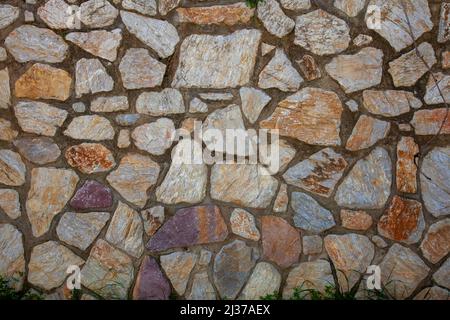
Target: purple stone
92 195
151 284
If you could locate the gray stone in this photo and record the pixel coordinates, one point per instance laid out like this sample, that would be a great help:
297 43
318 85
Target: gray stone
264 280
296 5
253 102
155 137
5 90
146 7
444 23
165 6
98 13
197 106
93 128
202 289
312 245
12 260
168 101
367 132
274 19
57 14
12 168
436 243
178 267
438 89
351 7
100 43
216 96
91 77
79 107
39 150
10 203
309 214
442 276
390 103
8 14
110 104
127 120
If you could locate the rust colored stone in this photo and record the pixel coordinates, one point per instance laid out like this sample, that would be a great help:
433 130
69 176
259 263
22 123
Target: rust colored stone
229 15
356 220
429 122
309 68
436 243
407 150
90 158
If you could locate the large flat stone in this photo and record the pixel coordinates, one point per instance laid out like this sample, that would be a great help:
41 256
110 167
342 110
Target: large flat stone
90 127
100 43
40 150
309 214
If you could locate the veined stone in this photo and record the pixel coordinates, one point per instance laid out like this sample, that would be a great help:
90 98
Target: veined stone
216 96
231 59
123 139
438 86
189 227
265 279
436 244
110 104
178 267
402 271
431 122
8 14
159 35
134 176
403 221
88 127
5 90
229 15
108 272
310 69
442 276
314 275
98 13
280 241
48 264
12 168
274 19
356 220
90 158
146 7
6 132
390 103
357 72
81 229
444 23
39 118
319 173
91 77
351 7
433 293
396 25
12 260
309 214
30 43
311 115
246 185
165 6
57 14
362 40
197 106
243 224
153 219
367 132
155 137
410 67
281 201
92 195
50 190
125 230
279 73
101 43
406 176
296 5
202 289
139 70
185 181
44 82
322 33
351 254
127 120
39 150
10 203
312 245
253 102
168 101
283 157
368 185
446 60
435 181
232 266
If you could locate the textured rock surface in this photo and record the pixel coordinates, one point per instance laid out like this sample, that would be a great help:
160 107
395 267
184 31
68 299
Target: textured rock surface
12 168
6 132
109 104
431 122
10 203
155 137
406 176
202 289
98 13
168 101
265 280
438 89
57 15
390 103
5 95
312 245
243 224
92 195
350 7
153 219
442 275
356 220
274 19
178 267
146 7
100 43
253 102
229 15
8 14
12 262
92 77
90 158
38 150
436 243
309 214
367 132
93 128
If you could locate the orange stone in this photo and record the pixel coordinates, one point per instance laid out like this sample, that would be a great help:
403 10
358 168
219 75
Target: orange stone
429 122
356 220
90 158
227 14
436 244
44 82
446 60
407 149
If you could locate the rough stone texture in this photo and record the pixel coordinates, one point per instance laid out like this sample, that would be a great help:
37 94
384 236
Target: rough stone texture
202 289
57 15
277 160
153 219
312 245
406 176
362 40
309 68
197 106
264 280
92 195
5 91
8 14
444 23
155 137
296 5
390 103
446 60
109 104
237 13
274 19
6 132
92 77
253 102
168 101
438 87
433 293
281 201
100 43
93 128
442 275
39 150
10 203
351 7
165 6
436 243
431 122
146 7
12 168
12 260
367 132
98 13
178 267
90 158
356 220
243 224
309 214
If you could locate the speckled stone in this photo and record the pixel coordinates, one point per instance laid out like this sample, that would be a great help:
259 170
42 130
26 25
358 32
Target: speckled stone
92 195
309 214
40 150
151 284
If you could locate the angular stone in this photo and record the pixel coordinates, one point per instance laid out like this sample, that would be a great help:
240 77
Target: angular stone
100 43
229 15
266 48
390 103
435 181
91 77
168 101
10 203
359 71
279 73
40 150
319 173
442 276
246 185
8 14
12 168
253 102
5 90
81 229
202 289
277 160
356 220
134 176
3 54
243 224
42 81
165 6
159 35
351 254
189 227
406 171
351 7
124 139
12 260
446 60
310 69
438 89
312 245
265 280
89 127
125 230
231 59
204 258
48 264
110 104
178 266
155 137
197 106
322 33
127 120
90 158
139 70
431 122
146 7
108 272
396 26
444 23
296 5
436 244
309 214
280 241
282 199
92 195
314 275
433 293
362 40
153 219
368 184
402 271
30 43
50 190
367 132
6 132
274 19
311 115
98 13
57 14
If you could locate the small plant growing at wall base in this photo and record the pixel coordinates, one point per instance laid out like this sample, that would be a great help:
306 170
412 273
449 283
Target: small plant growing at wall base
252 3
